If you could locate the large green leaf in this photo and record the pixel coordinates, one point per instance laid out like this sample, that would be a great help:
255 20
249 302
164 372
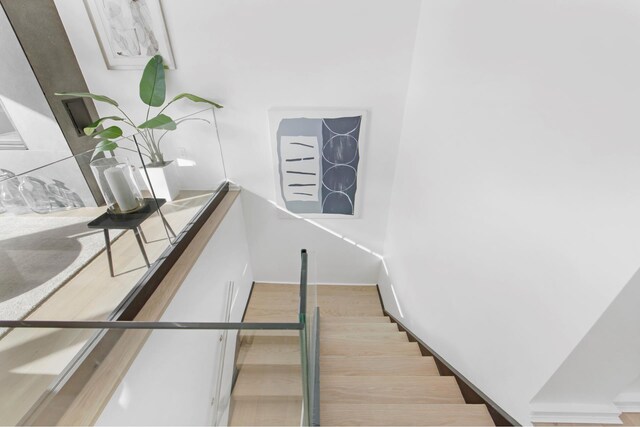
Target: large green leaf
152 84
160 121
102 146
100 98
109 133
89 130
195 98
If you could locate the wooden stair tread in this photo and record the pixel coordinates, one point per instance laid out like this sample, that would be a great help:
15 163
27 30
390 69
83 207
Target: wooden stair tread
372 300
378 365
273 303
280 306
272 311
257 295
270 316
345 347
349 310
404 414
389 389
270 333
259 339
269 354
330 290
347 302
358 337
346 320
370 373
271 319
260 287
330 327
268 381
266 412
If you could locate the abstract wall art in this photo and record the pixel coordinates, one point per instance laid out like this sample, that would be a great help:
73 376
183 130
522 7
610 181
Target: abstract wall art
130 32
318 158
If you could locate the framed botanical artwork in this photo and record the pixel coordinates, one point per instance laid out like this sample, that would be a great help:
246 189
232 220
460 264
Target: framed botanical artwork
318 161
130 32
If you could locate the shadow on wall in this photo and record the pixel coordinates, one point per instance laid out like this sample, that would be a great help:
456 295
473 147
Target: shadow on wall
600 367
276 237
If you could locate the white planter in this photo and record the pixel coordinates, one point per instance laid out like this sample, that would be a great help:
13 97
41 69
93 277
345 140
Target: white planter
164 179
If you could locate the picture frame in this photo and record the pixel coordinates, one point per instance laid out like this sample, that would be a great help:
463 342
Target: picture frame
130 32
10 137
318 160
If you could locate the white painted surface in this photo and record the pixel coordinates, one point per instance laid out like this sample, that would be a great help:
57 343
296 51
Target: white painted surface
514 215
388 292
165 180
27 107
629 399
605 361
576 413
255 55
172 380
276 238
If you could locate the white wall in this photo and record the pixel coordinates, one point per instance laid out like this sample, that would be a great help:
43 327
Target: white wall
604 363
27 107
276 238
629 399
254 55
172 380
514 215
388 292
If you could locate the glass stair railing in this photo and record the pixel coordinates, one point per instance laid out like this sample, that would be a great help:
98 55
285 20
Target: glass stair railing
260 371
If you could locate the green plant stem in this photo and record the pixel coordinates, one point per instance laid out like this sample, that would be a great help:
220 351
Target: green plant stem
162 136
165 107
152 154
151 143
128 121
134 151
138 145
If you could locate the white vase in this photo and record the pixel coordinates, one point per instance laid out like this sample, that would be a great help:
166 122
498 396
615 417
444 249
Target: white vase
117 182
165 180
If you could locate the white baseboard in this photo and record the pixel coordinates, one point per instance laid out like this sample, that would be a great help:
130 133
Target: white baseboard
574 413
628 406
628 401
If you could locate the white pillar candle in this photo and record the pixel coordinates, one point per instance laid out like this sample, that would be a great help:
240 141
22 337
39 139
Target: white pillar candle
120 188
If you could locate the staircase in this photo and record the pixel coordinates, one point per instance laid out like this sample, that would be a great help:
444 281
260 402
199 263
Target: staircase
268 389
370 373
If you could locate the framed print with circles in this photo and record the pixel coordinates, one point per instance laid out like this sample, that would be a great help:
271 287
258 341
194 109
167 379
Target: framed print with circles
318 160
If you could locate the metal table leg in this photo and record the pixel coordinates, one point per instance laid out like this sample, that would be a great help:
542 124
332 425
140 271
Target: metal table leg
144 238
107 243
144 254
166 223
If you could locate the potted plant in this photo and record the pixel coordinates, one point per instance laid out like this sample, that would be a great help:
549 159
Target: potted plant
163 174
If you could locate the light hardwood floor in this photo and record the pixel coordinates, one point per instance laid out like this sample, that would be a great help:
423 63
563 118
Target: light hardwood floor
30 359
